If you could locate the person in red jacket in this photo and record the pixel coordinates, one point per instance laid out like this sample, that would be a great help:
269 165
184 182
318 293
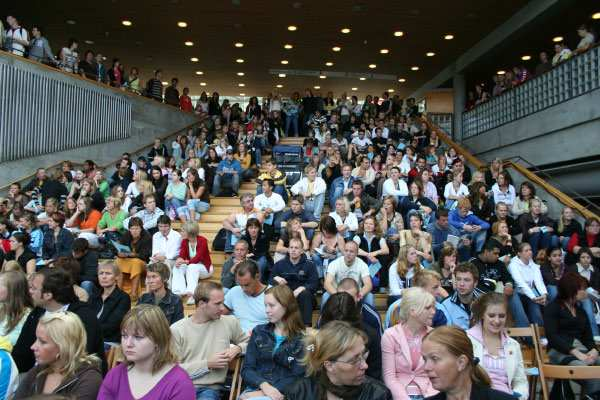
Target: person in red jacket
185 101
590 239
193 263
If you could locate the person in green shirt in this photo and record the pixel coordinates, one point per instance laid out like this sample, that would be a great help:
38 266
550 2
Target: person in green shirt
102 184
111 223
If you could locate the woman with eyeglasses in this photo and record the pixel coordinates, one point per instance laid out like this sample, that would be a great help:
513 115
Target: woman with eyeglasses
335 361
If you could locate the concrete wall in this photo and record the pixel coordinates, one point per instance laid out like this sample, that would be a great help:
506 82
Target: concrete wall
440 101
150 120
564 132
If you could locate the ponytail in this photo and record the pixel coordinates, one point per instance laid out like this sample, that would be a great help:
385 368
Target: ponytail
479 376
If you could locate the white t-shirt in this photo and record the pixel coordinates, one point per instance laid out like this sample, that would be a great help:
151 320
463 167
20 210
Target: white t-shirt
586 41
357 271
463 190
361 143
250 311
21 34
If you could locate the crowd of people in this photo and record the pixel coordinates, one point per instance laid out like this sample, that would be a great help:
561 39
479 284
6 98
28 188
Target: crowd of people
516 75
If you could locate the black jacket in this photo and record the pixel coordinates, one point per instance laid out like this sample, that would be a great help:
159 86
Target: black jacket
308 388
479 393
562 328
116 306
88 267
22 353
54 247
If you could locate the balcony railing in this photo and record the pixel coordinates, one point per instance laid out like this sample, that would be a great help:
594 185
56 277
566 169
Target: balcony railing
575 77
45 111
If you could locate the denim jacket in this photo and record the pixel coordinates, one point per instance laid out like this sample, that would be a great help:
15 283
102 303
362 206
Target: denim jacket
279 368
171 305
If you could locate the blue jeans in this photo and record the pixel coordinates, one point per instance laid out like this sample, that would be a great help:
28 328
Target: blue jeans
230 242
552 292
539 241
89 287
173 204
263 266
518 311
336 194
556 242
533 311
315 205
478 238
293 121
204 393
588 307
320 264
259 144
234 179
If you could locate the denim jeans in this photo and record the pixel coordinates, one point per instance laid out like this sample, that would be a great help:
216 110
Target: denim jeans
588 307
556 242
539 240
173 204
320 264
234 179
263 267
204 393
89 287
552 292
315 205
517 311
533 311
337 193
259 144
293 121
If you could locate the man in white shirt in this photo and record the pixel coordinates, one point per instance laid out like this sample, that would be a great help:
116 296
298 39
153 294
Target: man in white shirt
394 186
235 223
16 36
360 144
313 189
384 130
349 266
247 300
270 204
165 244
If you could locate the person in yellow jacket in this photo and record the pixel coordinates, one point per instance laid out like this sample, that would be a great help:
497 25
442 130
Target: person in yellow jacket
271 172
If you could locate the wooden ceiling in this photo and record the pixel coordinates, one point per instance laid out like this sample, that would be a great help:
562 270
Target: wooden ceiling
155 41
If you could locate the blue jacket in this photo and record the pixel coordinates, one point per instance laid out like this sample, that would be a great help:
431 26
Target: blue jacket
458 315
171 305
439 236
262 363
61 246
226 164
470 219
338 184
302 274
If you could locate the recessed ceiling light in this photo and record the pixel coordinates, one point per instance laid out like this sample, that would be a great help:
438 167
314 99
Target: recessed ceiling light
239 44
322 76
329 64
362 78
354 89
70 22
557 39
415 68
89 42
288 46
194 59
384 51
336 48
202 83
430 54
242 94
240 74
182 24
284 62
401 80
372 66
239 60
292 28
199 73
126 23
165 82
449 37
241 84
317 87
279 86
398 33
501 72
345 30
526 58
189 44
281 75
390 90
596 15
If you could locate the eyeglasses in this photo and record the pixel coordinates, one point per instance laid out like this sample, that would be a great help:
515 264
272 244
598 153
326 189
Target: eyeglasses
356 361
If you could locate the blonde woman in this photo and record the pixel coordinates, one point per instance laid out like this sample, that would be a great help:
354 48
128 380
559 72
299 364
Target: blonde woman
335 362
150 370
63 365
15 304
402 271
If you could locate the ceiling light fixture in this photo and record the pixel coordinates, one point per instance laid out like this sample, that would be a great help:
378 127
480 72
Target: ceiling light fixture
194 59
345 30
288 46
241 84
89 42
322 76
317 87
415 68
126 23
384 51
281 75
242 94
430 54
182 24
398 33
240 74
329 64
596 15
285 62
239 60
401 80
362 78
189 44
165 82
390 90
557 39
354 89
70 22
501 72
202 83
449 37
372 66
279 86
292 28
239 44
336 48
199 73
526 57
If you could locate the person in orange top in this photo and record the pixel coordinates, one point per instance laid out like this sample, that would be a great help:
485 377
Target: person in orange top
87 220
185 101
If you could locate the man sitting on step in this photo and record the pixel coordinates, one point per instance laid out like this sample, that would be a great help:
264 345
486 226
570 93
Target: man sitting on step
240 254
279 178
229 170
270 204
296 210
235 223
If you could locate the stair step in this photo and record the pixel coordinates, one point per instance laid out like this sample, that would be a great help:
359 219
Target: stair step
209 226
224 201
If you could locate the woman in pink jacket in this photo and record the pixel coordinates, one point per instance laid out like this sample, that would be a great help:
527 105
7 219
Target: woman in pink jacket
403 365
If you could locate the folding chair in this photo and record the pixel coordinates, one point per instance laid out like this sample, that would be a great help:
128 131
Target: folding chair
236 383
530 359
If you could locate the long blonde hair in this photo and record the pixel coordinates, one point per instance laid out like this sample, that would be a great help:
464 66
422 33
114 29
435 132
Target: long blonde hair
18 300
66 330
402 261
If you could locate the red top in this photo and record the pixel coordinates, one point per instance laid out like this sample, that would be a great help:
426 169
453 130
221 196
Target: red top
185 103
575 240
202 253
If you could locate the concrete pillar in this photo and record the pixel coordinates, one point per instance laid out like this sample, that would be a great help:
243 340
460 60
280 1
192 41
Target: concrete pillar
460 99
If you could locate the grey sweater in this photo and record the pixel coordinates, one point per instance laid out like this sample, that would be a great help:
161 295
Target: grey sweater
40 50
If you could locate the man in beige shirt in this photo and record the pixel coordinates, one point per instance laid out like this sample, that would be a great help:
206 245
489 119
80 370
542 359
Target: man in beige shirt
208 341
